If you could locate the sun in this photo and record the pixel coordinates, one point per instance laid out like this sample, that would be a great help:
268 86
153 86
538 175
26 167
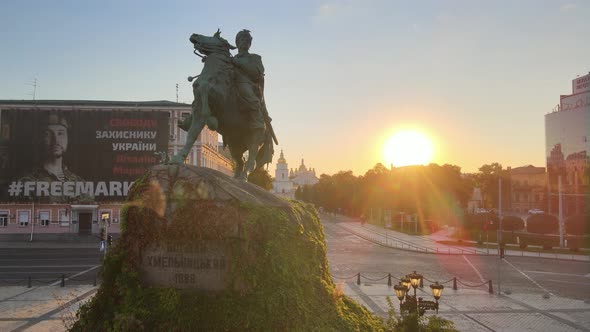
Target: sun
407 147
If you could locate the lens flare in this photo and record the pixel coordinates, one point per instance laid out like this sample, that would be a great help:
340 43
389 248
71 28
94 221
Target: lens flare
406 148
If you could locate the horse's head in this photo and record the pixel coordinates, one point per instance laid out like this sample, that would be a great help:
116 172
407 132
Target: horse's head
207 45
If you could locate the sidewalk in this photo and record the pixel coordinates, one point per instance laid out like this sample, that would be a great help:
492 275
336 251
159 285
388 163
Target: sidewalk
46 308
476 310
429 244
50 308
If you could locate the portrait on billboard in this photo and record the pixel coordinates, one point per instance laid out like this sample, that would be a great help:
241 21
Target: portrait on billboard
52 146
75 156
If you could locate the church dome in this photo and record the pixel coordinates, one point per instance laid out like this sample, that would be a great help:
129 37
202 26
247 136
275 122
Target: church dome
302 168
282 159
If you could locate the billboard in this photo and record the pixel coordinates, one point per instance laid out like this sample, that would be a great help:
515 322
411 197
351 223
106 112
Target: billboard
76 156
581 84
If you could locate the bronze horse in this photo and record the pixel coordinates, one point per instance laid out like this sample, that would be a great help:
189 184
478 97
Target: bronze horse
218 105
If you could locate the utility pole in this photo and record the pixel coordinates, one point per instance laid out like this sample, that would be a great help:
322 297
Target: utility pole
499 211
499 234
560 193
34 85
177 92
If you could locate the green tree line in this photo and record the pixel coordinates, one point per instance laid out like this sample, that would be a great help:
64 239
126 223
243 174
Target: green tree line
430 192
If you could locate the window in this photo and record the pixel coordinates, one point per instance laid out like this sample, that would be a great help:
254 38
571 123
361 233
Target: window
23 218
63 218
44 218
3 219
116 220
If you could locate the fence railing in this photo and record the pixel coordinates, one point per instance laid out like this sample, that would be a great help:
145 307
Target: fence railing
61 280
390 278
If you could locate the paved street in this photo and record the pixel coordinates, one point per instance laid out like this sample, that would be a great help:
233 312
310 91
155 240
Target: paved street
349 254
45 265
538 294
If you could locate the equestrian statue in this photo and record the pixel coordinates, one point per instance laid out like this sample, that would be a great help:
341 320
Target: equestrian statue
229 98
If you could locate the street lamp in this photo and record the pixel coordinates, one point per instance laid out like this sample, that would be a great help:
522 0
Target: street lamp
437 292
407 283
415 280
400 292
412 304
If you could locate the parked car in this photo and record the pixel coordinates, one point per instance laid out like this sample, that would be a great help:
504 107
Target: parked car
536 211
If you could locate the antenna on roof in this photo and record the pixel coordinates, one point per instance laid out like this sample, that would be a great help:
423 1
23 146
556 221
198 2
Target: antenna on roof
34 85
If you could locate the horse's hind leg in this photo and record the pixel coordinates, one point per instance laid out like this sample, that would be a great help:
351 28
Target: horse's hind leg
236 154
253 150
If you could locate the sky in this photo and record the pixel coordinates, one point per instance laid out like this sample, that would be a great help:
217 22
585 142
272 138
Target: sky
342 76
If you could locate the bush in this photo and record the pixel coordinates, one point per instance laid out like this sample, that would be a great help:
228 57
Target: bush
542 224
480 220
409 322
578 225
512 223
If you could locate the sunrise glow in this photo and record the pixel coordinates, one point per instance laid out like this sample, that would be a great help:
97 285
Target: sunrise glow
407 147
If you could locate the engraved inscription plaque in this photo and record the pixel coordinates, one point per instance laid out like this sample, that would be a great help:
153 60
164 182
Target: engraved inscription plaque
203 266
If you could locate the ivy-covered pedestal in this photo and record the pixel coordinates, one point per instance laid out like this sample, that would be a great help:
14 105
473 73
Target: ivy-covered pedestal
202 251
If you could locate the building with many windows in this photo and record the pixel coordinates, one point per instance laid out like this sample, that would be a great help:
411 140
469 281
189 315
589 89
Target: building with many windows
66 165
528 188
567 144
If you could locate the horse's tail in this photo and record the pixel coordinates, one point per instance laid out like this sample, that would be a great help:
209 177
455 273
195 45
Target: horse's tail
265 153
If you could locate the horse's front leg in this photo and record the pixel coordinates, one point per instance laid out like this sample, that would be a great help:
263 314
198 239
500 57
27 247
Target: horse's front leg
197 124
200 115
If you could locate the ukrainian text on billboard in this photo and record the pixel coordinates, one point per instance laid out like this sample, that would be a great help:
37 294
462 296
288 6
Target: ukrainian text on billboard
75 156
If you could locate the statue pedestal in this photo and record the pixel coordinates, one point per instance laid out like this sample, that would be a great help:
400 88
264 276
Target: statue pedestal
201 250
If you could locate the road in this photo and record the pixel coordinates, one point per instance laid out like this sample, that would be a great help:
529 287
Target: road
47 265
349 255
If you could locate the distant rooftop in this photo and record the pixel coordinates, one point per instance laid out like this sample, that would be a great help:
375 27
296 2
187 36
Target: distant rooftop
529 169
97 103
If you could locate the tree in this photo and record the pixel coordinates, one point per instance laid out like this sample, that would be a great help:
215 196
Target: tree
298 194
261 178
487 180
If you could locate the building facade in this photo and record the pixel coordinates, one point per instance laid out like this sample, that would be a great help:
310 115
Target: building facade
107 145
528 188
567 131
303 176
282 184
287 181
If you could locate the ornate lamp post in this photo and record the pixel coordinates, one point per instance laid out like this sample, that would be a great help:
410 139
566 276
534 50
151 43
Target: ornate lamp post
415 280
437 292
411 304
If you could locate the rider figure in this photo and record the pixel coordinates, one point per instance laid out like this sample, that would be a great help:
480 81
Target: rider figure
250 80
